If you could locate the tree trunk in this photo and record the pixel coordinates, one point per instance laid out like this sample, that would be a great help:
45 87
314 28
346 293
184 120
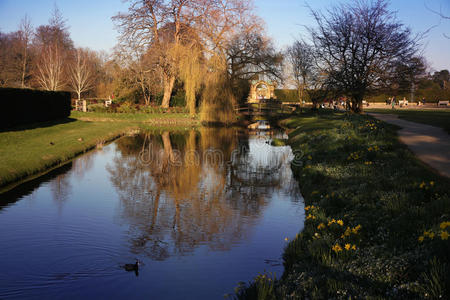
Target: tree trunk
169 81
24 68
356 105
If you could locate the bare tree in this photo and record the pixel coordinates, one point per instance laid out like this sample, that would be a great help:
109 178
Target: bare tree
301 62
81 77
251 53
25 34
358 43
441 15
54 43
406 76
50 69
8 72
156 24
163 27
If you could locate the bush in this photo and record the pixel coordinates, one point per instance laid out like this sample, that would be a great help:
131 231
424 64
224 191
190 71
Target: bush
286 95
23 106
98 107
179 99
126 107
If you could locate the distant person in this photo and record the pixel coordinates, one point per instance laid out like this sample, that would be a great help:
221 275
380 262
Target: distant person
393 102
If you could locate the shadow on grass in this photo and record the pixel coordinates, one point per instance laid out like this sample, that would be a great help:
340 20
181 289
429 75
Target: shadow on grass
38 125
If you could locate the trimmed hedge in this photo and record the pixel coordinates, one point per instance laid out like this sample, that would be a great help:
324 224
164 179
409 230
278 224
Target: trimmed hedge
22 106
287 95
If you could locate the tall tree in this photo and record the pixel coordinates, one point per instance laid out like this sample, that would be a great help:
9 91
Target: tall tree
157 24
50 69
164 27
26 32
358 43
8 71
442 78
54 43
301 62
406 76
81 72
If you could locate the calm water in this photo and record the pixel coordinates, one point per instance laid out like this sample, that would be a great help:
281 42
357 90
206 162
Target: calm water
201 209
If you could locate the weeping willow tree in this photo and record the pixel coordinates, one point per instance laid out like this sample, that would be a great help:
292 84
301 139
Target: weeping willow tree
218 98
191 70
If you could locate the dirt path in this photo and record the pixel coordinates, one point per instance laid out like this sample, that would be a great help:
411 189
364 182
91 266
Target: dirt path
430 144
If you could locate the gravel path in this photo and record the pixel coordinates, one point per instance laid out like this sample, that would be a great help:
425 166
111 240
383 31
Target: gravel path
430 144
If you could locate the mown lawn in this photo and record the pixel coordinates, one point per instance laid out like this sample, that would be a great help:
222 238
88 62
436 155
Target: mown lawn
377 220
153 118
438 117
30 150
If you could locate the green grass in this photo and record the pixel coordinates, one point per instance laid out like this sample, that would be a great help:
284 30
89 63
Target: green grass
438 117
166 118
353 170
31 150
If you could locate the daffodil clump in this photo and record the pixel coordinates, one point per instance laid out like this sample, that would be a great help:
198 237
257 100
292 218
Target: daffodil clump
374 148
354 156
312 209
368 203
430 234
337 248
349 231
425 185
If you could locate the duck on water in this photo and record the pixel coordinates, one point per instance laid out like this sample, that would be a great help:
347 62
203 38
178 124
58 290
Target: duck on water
132 267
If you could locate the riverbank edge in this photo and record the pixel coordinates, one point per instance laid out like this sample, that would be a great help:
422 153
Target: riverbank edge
337 257
30 174
26 173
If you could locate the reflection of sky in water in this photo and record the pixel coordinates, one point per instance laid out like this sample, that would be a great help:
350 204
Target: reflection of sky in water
69 236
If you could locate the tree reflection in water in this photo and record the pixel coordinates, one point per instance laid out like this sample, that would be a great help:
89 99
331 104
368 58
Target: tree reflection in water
206 187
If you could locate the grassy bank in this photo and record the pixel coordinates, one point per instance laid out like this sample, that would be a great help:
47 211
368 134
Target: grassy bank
438 117
26 151
154 118
377 220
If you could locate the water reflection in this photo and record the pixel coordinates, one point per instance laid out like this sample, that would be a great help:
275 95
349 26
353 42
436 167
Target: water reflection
182 190
202 209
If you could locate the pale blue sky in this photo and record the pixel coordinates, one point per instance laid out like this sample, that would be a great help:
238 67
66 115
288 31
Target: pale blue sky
91 26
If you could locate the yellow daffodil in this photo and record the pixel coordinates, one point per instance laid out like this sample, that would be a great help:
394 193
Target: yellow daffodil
347 231
354 247
444 235
336 248
356 229
444 225
310 216
347 247
321 226
421 239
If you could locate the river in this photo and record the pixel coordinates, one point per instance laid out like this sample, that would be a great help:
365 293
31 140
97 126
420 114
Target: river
200 209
